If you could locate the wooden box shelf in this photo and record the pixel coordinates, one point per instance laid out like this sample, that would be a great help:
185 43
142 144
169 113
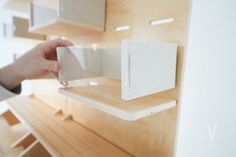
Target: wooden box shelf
18 29
107 98
62 138
67 18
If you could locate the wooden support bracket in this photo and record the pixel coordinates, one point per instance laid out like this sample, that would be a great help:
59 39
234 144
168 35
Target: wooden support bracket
10 118
67 117
35 150
25 141
59 111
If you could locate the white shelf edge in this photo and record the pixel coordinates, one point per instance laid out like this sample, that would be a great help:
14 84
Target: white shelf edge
119 113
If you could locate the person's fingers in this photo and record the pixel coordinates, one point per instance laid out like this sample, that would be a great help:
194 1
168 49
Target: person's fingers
49 65
49 48
55 74
58 42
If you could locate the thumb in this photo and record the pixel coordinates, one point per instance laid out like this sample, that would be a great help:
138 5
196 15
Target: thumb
50 65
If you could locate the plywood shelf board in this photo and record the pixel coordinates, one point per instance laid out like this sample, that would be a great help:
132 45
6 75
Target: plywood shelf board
63 135
108 99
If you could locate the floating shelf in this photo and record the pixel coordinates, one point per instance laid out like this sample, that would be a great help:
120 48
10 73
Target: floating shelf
62 137
19 29
107 98
67 18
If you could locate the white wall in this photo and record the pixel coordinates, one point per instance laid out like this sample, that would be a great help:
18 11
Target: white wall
10 47
207 124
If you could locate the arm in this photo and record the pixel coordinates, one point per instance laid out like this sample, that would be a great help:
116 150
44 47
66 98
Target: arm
36 63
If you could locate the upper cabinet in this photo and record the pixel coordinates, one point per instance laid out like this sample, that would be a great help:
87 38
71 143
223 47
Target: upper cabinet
67 17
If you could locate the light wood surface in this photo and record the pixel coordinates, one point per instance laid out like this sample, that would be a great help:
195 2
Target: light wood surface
67 137
108 99
47 91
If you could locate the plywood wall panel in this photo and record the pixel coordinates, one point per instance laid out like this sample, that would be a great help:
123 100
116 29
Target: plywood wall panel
153 136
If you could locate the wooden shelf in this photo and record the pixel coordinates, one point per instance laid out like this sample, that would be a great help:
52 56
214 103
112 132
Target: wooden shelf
67 18
61 138
19 29
107 98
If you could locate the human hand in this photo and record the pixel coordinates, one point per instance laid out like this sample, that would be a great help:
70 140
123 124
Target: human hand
36 63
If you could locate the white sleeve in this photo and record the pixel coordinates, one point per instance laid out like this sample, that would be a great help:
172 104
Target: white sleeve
5 94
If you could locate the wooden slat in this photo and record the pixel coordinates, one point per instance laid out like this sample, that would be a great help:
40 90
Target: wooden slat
46 133
75 136
100 145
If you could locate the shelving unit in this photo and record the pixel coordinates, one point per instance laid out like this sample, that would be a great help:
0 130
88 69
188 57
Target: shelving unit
18 29
92 118
61 137
107 98
67 18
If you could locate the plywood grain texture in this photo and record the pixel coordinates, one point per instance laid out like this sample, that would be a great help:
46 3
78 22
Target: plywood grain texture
153 136
68 138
